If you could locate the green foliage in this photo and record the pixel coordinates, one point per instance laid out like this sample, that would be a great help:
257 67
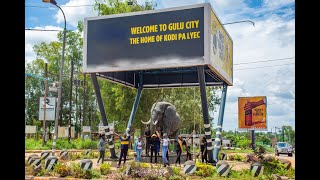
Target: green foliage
91 174
259 152
204 170
62 169
105 168
241 175
276 167
176 177
76 170
176 170
61 143
243 143
32 144
74 156
238 157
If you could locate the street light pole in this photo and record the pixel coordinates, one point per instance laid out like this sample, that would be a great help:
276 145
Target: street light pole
45 105
70 102
60 76
239 22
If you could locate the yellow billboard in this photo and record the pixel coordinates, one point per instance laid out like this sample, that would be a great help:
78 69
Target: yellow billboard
252 113
221 48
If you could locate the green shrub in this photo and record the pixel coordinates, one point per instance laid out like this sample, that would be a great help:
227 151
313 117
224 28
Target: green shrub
74 156
62 143
62 169
176 170
238 157
76 170
33 144
259 152
204 170
176 177
243 143
105 168
91 174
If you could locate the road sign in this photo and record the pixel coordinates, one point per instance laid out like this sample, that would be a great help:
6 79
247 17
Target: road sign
50 108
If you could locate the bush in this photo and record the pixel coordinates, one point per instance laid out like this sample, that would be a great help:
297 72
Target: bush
204 170
86 144
62 169
176 177
62 143
244 143
176 170
32 144
91 174
74 156
259 152
105 168
238 157
76 170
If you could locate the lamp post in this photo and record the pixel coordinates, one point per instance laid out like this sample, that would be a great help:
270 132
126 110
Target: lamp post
45 105
60 77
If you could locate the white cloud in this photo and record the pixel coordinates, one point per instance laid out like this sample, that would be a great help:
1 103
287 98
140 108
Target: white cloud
277 3
75 14
176 3
35 37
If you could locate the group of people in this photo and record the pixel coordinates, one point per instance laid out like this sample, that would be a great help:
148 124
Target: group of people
153 144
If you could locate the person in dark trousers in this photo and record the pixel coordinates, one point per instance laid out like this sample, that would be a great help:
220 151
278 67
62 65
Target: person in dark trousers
178 149
101 148
153 144
187 146
203 148
159 133
147 135
124 147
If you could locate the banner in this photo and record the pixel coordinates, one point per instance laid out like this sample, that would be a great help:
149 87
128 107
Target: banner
252 113
86 129
50 108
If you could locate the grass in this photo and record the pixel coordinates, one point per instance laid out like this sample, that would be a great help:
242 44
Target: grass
237 151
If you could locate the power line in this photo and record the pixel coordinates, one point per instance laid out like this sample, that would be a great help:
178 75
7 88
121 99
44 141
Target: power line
265 61
42 30
265 66
61 6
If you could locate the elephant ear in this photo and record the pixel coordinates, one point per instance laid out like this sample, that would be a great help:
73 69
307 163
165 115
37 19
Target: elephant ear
170 112
154 104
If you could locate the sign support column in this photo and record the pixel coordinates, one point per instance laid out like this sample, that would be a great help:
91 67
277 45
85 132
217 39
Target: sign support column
135 104
205 112
217 145
103 114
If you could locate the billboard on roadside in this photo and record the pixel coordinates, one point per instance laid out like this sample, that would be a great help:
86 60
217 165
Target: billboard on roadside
252 113
184 36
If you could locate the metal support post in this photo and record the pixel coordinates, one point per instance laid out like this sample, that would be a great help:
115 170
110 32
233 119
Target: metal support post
70 102
217 145
253 142
205 112
135 104
103 114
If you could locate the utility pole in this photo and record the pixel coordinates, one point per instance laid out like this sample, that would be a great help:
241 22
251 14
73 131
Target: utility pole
70 102
84 101
45 105
76 84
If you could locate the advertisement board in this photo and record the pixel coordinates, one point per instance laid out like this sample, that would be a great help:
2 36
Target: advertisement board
86 129
221 49
186 36
252 113
50 108
63 132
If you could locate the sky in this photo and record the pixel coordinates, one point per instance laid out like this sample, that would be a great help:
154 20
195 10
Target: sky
271 40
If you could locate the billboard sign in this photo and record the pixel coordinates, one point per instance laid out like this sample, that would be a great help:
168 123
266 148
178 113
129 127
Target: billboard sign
221 49
31 129
252 112
157 39
50 108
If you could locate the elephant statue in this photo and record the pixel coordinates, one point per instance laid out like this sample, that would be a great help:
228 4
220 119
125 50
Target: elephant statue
165 116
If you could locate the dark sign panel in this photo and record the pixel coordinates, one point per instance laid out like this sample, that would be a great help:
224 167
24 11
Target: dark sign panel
135 41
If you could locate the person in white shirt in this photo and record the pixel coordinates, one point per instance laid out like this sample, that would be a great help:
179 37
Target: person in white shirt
138 148
165 148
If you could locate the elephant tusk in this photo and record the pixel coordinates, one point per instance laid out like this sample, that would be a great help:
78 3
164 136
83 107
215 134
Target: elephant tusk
155 123
147 122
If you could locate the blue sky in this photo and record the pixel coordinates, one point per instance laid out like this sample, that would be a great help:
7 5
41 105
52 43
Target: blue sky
273 37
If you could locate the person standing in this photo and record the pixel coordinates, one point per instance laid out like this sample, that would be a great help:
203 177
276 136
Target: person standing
124 147
178 149
165 148
187 145
138 148
101 148
147 135
153 144
203 148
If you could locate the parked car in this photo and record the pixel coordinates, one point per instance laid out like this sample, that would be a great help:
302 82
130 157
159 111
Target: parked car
283 148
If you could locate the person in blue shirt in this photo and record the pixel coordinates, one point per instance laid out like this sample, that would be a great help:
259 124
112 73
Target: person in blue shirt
138 148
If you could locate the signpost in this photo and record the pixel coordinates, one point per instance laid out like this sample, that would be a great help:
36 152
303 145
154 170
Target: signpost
50 108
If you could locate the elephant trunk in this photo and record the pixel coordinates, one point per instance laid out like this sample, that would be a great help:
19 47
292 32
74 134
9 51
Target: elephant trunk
147 123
